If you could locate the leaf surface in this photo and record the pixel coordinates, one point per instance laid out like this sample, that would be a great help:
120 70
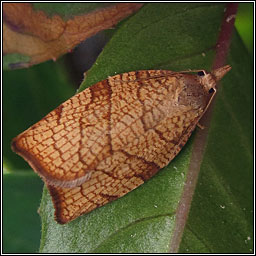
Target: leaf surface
21 222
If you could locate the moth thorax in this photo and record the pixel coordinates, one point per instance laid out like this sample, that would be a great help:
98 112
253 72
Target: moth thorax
194 95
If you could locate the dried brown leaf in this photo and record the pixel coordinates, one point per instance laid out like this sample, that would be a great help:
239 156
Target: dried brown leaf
32 33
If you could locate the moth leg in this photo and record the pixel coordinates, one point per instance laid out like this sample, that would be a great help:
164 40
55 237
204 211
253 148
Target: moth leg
200 126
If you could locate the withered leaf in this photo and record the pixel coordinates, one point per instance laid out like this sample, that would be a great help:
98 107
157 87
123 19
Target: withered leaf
35 34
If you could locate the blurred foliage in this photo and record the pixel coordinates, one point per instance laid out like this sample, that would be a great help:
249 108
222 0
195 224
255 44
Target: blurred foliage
244 24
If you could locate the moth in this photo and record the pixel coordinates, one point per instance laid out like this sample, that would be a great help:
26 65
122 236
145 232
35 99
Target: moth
108 139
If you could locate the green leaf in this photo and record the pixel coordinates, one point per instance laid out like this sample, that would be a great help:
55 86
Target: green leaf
160 38
21 223
14 58
175 37
221 216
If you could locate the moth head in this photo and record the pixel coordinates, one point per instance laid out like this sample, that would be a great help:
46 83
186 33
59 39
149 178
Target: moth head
209 80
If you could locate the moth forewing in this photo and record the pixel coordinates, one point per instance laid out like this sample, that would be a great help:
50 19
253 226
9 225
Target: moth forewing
108 139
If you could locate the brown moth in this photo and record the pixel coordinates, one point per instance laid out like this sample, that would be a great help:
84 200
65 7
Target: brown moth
108 139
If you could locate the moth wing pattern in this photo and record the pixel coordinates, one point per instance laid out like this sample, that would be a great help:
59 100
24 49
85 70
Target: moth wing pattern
124 173
68 143
56 147
135 159
112 137
105 186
